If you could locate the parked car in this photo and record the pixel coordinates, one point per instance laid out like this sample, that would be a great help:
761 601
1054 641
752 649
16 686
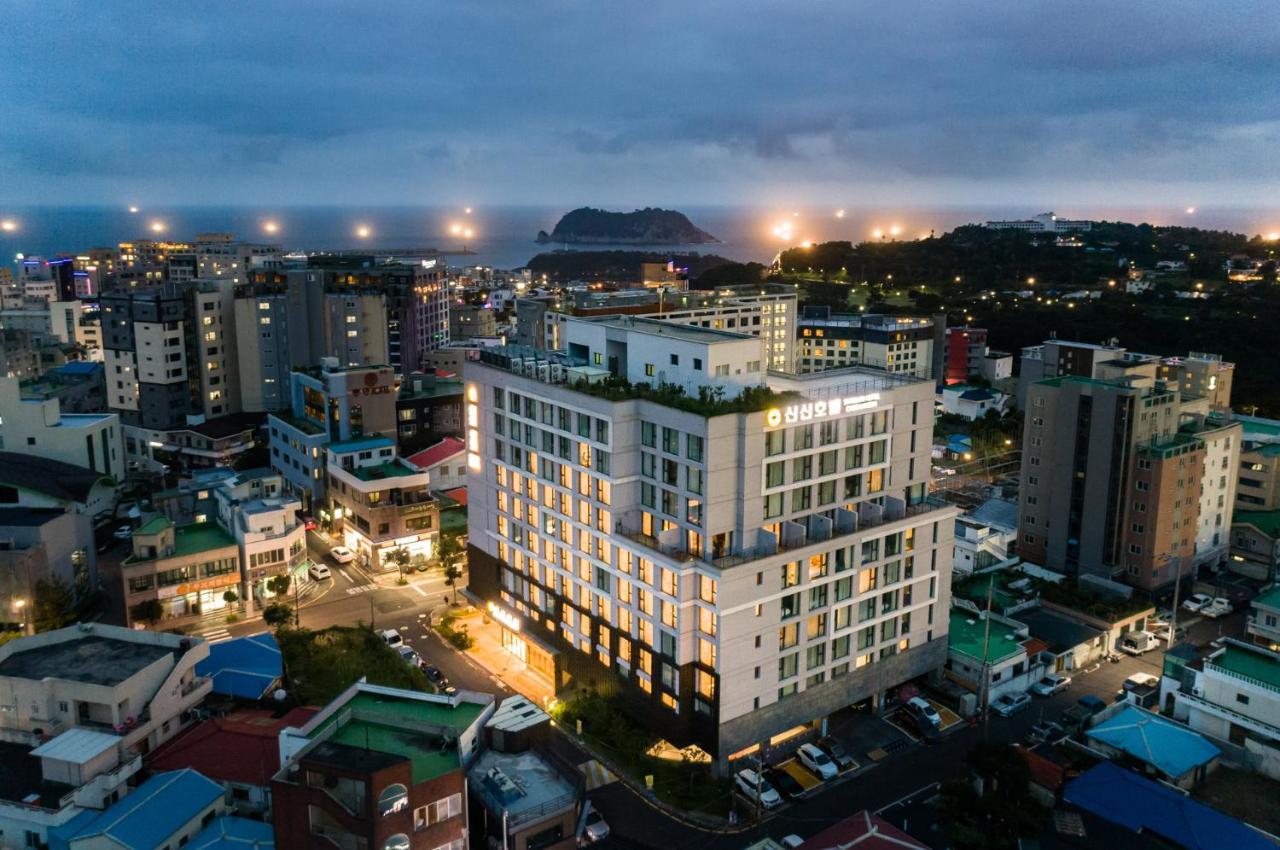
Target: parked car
1196 601
1051 684
392 637
748 783
1138 680
1161 631
1046 729
817 761
836 753
342 554
318 572
1218 607
922 710
594 827
410 655
1007 705
1136 643
440 680
124 532
784 782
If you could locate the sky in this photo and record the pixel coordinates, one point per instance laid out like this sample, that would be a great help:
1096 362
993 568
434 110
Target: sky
656 102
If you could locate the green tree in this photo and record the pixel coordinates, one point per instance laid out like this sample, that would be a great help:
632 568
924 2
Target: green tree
279 584
277 615
149 611
447 552
231 597
54 606
399 557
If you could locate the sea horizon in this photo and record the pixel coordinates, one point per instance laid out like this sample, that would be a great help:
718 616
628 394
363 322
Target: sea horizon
503 236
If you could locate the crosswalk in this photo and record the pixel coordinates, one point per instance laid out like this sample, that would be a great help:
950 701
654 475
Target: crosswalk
596 774
216 635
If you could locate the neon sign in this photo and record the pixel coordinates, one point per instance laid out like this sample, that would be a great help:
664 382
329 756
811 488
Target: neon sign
823 409
503 616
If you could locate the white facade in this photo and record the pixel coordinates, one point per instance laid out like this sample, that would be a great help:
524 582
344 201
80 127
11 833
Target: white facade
39 427
1217 493
747 571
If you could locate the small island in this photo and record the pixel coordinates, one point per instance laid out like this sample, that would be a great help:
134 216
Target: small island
587 226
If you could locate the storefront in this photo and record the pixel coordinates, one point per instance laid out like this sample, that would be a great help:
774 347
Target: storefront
537 656
199 597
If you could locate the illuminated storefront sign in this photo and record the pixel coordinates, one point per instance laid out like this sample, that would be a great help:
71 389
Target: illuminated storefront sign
823 409
503 616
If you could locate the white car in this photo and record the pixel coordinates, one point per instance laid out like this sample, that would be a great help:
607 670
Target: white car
1007 705
318 572
1138 642
1138 680
124 532
1216 608
594 827
342 554
392 637
1196 601
817 761
1051 684
749 783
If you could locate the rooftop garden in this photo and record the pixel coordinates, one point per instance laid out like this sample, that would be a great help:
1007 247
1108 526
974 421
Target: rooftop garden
1109 608
319 665
710 401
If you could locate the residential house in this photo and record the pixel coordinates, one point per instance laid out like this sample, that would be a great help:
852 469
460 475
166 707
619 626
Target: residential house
1161 749
445 462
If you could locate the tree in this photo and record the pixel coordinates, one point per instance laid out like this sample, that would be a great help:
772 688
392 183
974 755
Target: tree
54 606
448 551
279 584
400 557
277 615
231 597
147 611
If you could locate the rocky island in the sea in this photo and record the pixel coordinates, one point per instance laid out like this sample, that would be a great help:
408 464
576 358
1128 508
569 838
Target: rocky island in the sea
587 226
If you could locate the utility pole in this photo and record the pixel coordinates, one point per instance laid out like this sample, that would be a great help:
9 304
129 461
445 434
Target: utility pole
1177 590
985 704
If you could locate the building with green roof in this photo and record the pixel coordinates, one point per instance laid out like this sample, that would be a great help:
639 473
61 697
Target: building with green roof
182 569
999 652
1235 697
380 762
1255 543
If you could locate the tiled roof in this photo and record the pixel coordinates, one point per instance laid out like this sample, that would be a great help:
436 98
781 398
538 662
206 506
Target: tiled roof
863 831
1166 745
441 451
242 748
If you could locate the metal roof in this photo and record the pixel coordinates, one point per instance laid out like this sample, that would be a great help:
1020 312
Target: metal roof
77 746
1170 747
149 816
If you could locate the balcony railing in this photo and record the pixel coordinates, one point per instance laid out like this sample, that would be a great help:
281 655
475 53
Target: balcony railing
1257 683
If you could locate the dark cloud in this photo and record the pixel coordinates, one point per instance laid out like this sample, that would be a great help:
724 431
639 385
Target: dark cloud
573 99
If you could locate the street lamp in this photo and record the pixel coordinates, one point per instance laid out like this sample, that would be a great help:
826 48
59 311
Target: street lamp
20 607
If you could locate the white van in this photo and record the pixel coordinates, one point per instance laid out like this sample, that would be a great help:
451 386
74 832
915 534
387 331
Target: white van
1136 643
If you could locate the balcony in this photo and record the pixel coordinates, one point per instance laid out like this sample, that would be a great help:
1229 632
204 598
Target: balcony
1255 627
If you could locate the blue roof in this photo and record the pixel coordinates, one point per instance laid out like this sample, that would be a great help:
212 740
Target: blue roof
246 667
359 444
977 395
1126 799
233 833
78 367
149 816
1168 746
960 443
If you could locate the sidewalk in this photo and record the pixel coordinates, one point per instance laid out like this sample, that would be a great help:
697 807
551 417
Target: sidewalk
489 654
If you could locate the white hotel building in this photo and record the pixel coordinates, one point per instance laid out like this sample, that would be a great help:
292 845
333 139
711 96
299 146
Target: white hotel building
737 562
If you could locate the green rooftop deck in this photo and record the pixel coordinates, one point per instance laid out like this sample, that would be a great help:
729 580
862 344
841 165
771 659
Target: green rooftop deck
967 636
1260 666
402 726
391 469
155 525
1268 522
1269 598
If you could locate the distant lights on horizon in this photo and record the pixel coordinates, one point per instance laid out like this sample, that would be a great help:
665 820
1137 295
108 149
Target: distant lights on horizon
1191 210
8 225
270 226
157 226
133 209
363 231
840 213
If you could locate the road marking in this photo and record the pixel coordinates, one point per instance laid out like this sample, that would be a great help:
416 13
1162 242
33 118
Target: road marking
361 588
417 589
597 774
216 635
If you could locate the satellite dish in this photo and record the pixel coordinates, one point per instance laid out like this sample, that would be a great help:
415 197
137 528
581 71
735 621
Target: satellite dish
280 695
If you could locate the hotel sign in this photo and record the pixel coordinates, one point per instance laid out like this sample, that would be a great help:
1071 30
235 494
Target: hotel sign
503 616
824 409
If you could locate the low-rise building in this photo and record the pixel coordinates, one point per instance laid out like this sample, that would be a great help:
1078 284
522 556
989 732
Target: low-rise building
1259 486
1263 625
37 426
43 545
985 536
29 481
137 685
445 462
380 503
528 801
972 402
379 768
200 444
79 386
990 654
826 340
1166 751
188 569
1255 544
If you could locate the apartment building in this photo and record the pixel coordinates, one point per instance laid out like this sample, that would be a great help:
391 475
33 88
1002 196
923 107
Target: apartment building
379 768
1042 223
145 355
40 545
737 553
328 404
899 344
220 256
428 409
1125 476
380 503
765 310
1259 484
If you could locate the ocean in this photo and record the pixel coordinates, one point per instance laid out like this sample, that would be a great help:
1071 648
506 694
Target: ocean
503 237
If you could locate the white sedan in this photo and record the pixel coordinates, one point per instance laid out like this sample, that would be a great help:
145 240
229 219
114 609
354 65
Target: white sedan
1051 684
1197 601
318 572
1217 607
342 554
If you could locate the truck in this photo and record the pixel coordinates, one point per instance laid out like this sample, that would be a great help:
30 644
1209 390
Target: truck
1075 718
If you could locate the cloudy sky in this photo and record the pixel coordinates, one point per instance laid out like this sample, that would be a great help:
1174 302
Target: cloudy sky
624 102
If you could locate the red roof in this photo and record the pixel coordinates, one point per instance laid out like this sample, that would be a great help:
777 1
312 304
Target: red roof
458 494
1045 773
441 451
242 747
1034 646
864 831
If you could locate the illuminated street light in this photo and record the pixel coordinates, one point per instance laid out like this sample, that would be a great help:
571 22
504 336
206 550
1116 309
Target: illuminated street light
877 234
8 225
895 230
363 231
1273 236
467 211
157 227
133 210
270 226
455 229
1031 281
467 233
